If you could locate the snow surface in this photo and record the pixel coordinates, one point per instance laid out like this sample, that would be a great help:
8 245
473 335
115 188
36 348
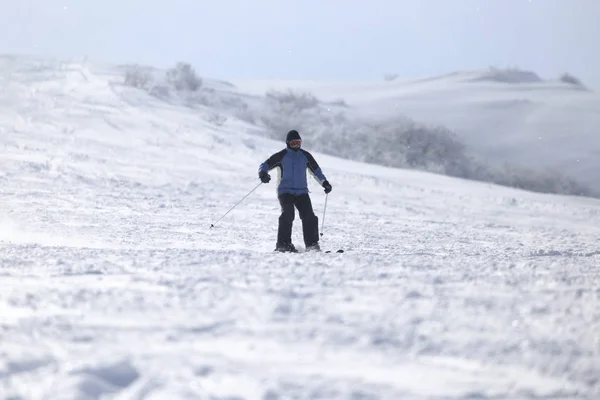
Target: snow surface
114 286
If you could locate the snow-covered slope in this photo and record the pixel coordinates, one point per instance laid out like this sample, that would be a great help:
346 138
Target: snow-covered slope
504 115
112 284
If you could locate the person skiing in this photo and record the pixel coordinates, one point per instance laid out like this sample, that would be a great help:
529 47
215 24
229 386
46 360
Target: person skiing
292 191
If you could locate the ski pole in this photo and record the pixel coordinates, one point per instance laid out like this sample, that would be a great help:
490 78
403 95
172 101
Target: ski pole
213 224
325 209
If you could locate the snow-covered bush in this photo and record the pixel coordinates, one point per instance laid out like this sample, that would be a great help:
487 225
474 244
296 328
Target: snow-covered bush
544 181
216 118
571 80
290 100
284 111
137 77
338 102
160 91
421 146
183 78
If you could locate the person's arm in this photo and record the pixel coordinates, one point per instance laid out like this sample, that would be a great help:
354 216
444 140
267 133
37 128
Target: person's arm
316 172
269 164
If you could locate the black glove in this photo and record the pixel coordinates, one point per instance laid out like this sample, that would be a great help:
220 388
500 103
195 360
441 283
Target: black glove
327 186
264 177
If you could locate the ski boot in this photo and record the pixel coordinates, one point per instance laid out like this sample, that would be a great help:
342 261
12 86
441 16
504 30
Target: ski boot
285 248
313 247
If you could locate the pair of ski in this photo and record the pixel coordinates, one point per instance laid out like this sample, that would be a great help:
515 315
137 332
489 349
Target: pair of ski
313 251
320 251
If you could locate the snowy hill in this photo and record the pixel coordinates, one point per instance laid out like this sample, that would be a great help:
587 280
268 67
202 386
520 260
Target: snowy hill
504 115
114 286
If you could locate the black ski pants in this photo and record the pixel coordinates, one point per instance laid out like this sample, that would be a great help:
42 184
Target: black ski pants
310 222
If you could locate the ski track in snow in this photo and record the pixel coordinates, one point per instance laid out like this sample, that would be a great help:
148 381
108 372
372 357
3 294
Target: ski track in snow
113 286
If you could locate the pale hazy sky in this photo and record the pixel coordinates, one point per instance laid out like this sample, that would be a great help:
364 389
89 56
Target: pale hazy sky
314 39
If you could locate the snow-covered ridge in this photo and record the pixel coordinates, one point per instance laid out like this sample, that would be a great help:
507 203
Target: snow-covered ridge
507 76
498 75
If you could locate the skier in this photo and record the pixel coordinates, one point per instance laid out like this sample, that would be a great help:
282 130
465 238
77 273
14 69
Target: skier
292 192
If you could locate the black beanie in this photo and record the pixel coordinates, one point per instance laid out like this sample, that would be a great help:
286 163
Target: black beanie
292 135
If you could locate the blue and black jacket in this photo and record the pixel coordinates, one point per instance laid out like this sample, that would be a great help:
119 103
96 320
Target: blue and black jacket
293 165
